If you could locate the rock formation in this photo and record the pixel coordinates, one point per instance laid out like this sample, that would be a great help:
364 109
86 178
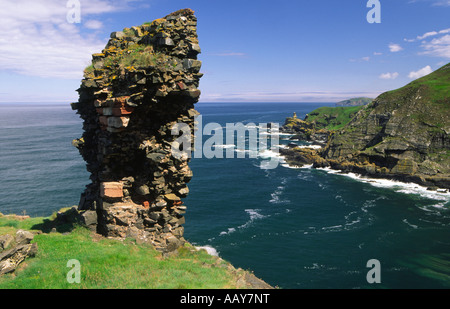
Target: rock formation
15 249
355 102
403 134
143 82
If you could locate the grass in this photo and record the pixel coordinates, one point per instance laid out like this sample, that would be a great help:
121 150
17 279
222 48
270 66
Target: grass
435 86
332 118
108 263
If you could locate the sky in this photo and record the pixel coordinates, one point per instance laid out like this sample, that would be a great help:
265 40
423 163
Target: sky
252 51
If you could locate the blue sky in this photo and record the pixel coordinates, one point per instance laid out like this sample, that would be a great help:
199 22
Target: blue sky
252 51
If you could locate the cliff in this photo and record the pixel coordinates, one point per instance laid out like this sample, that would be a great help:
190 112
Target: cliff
355 102
141 84
403 134
105 263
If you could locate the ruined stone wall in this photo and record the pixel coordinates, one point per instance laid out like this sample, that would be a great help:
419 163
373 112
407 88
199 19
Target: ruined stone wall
144 81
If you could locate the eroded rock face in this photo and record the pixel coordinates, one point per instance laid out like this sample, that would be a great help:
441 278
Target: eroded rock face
143 83
403 134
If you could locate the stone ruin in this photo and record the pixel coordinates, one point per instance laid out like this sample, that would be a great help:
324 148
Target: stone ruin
144 81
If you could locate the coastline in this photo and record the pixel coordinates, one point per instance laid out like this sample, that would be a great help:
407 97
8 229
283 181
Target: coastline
377 180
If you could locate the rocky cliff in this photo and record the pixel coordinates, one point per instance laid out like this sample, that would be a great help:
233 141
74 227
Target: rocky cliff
355 102
141 84
403 134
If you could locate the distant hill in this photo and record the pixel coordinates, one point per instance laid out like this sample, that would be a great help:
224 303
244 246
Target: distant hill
355 102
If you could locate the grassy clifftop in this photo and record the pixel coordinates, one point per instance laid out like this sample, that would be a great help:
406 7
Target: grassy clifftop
355 102
332 118
111 263
404 134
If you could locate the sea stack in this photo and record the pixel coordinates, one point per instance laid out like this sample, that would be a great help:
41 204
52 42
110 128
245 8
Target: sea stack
144 82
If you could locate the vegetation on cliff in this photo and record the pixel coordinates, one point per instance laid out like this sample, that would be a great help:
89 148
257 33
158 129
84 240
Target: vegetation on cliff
141 86
403 134
113 263
320 123
332 118
355 102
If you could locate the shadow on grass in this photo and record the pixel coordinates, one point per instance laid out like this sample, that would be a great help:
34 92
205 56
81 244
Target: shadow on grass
61 222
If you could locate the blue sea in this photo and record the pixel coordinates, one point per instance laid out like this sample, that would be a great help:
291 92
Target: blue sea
296 228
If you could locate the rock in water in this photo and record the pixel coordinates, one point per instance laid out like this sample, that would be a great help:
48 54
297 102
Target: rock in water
143 82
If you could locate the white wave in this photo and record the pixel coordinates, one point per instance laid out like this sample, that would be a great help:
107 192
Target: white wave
291 166
276 133
276 196
254 214
230 230
209 249
397 186
225 146
333 228
268 153
281 146
411 225
310 146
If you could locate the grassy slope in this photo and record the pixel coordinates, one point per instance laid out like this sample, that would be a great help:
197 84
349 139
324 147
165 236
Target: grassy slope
355 102
108 263
435 95
332 118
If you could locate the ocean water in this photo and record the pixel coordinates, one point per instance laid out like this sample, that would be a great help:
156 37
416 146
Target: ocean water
294 228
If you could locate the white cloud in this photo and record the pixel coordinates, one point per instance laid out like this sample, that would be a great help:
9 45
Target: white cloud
93 24
39 41
395 48
431 33
389 75
377 54
422 72
438 47
360 59
428 34
433 2
442 3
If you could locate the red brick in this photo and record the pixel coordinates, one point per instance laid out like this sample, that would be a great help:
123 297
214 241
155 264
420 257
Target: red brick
111 189
119 111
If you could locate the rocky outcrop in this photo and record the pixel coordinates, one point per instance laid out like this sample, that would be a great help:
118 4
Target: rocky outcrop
402 135
15 249
305 130
355 102
143 83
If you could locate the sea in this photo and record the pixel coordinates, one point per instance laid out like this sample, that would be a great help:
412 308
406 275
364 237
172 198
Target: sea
295 228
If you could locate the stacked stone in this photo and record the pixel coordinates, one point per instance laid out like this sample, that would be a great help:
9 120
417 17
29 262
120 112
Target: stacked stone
143 83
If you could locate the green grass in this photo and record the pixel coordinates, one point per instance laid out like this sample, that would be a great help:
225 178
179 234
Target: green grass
436 87
332 118
108 263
